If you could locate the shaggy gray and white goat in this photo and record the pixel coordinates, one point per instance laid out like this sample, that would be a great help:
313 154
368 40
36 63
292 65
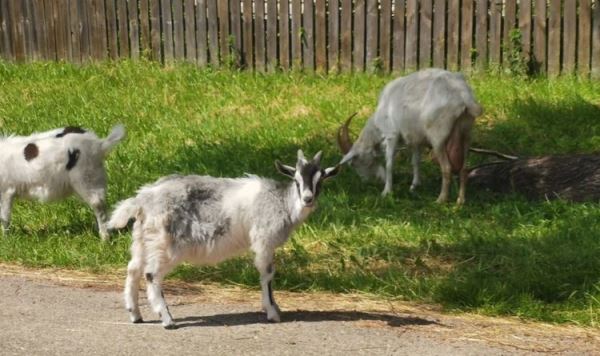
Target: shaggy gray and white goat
51 165
432 107
205 220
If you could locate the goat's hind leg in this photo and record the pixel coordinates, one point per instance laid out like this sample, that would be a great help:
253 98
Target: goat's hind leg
390 151
155 271
134 274
6 202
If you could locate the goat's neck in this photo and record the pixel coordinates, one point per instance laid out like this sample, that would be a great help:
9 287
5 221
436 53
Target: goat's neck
369 138
297 211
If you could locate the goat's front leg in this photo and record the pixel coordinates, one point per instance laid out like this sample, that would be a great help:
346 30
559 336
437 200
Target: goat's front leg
6 201
264 264
390 150
416 161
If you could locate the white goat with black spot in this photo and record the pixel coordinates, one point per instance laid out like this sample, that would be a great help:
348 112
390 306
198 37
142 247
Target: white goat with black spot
51 165
205 220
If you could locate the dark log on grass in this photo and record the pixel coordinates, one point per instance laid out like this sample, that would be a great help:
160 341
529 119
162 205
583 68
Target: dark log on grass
570 177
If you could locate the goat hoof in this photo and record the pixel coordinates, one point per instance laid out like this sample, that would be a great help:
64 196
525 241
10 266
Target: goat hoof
138 321
273 317
171 326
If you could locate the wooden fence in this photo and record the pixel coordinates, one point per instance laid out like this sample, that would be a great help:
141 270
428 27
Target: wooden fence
556 36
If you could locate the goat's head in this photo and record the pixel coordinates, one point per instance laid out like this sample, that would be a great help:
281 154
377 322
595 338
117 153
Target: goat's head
360 155
308 176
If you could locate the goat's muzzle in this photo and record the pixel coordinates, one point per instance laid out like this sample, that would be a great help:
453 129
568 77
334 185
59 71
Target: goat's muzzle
343 135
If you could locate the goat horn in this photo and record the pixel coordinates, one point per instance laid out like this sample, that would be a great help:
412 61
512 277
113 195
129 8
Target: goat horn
343 136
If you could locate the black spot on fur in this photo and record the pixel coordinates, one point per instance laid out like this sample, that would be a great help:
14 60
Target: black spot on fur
270 268
71 129
31 151
270 294
73 158
149 277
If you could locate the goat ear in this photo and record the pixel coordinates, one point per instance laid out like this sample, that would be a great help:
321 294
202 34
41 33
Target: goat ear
331 172
317 158
348 157
285 169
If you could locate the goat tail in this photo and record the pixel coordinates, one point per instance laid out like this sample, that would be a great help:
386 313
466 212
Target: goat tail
126 210
116 135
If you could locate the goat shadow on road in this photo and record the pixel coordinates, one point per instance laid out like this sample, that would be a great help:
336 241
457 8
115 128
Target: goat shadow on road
247 318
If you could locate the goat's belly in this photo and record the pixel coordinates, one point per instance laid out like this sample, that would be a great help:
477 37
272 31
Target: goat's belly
43 193
216 250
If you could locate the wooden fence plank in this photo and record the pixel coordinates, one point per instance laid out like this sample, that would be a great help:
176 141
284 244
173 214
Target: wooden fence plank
346 36
49 15
412 33
213 33
40 30
510 21
5 38
259 35
425 28
439 33
526 29
495 38
145 42
29 32
223 9
398 41
554 34
167 30
453 34
372 34
235 23
98 31
111 29
284 34
189 19
123 29
333 35
201 33
385 35
359 35
466 43
320 36
596 41
85 16
296 33
584 38
248 48
178 30
155 32
271 35
481 36
569 36
539 30
75 31
16 30
308 41
134 29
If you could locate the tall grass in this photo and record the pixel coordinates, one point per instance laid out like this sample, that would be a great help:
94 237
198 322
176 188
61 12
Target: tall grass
499 255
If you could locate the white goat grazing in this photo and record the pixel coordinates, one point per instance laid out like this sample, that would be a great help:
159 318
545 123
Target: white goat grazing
51 165
206 220
432 107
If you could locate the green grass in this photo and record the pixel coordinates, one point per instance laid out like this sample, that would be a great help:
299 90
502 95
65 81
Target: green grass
498 255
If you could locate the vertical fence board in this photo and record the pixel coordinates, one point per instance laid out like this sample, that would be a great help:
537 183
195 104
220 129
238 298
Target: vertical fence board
398 44
271 35
123 29
59 31
201 33
308 41
495 31
453 34
385 37
554 34
98 31
30 39
346 36
296 33
189 16
5 37
525 28
372 35
569 36
510 20
74 31
359 35
167 30
412 33
320 36
155 32
49 15
40 30
539 41
425 28
18 40
145 44
583 43
111 29
284 34
134 29
333 34
596 40
87 13
248 47
235 23
259 33
439 33
223 9
466 43
213 32
178 31
481 36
